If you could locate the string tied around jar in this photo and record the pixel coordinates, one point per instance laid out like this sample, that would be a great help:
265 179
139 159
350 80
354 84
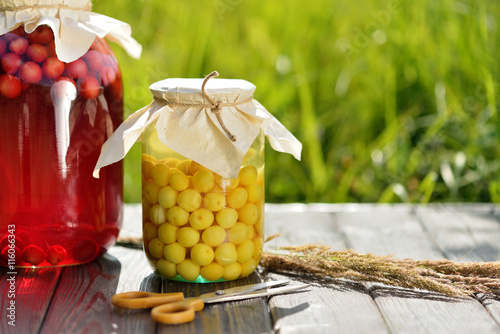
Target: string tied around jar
217 106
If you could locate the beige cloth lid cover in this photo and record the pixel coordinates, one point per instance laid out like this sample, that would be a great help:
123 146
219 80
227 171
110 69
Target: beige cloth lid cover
194 131
74 25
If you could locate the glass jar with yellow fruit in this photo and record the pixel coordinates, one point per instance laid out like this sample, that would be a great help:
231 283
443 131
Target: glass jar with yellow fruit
202 176
198 225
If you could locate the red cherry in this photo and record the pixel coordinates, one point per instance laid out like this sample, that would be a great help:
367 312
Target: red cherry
107 76
37 53
19 45
10 86
19 31
51 49
33 255
112 62
9 37
94 60
100 46
52 68
77 69
3 47
88 87
85 250
10 62
16 256
30 72
24 236
56 254
62 78
41 35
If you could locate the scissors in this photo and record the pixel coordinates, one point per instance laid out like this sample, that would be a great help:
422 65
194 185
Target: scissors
172 308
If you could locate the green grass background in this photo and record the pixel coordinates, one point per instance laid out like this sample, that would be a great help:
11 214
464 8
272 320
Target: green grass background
394 101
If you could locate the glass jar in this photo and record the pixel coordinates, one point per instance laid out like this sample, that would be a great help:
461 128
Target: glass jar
54 118
202 175
197 225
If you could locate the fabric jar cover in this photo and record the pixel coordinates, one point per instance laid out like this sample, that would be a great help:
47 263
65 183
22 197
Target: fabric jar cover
75 27
187 123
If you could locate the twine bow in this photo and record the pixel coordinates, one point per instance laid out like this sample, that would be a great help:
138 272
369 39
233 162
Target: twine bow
216 106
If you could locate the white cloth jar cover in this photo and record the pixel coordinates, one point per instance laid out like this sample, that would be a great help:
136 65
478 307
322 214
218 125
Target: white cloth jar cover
74 25
187 123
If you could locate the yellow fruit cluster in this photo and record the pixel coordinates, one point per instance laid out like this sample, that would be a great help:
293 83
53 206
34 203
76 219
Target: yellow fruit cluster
196 223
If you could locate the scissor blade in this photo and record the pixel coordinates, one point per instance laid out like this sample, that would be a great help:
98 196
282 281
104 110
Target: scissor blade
256 294
240 290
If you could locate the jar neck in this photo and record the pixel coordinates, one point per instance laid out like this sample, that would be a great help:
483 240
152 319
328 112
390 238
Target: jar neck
15 6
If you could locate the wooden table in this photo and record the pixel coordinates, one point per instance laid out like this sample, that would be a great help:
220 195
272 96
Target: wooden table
76 299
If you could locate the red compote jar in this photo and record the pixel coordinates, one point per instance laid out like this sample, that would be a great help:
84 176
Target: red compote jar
55 114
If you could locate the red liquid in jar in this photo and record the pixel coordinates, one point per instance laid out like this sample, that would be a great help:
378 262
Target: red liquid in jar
58 213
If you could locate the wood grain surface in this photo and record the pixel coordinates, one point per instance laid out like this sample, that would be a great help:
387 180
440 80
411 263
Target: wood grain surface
76 299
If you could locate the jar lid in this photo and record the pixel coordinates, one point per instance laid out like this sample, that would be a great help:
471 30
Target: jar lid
213 122
74 26
189 90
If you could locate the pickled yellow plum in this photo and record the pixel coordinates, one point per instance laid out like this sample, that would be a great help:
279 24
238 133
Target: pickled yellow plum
212 272
189 200
167 233
202 254
214 236
174 253
227 217
188 236
226 254
232 271
200 226
201 219
203 180
167 269
188 270
160 173
157 214
167 197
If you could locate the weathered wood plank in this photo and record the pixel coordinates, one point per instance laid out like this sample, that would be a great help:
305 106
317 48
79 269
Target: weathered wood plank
297 228
387 232
413 312
330 306
135 275
493 306
33 292
248 316
81 299
465 236
407 311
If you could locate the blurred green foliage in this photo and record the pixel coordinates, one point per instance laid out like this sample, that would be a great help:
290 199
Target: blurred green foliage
394 101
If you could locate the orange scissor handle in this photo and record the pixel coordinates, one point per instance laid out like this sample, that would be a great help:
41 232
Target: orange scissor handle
177 312
143 299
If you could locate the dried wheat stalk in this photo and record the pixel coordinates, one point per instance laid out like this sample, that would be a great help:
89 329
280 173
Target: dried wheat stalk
444 276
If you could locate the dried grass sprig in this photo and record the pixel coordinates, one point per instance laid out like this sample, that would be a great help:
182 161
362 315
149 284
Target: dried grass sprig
444 276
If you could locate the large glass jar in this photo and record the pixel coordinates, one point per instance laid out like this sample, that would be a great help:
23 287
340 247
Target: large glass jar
197 225
54 118
202 175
